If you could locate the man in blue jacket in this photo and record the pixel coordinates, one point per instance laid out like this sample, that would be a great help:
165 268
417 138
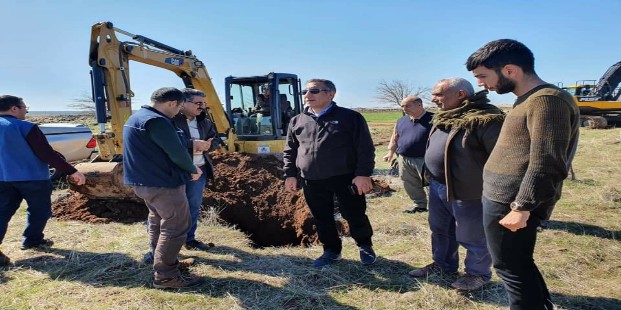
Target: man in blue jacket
24 174
157 165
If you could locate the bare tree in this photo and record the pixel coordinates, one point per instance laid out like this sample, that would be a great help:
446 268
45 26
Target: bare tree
83 103
391 93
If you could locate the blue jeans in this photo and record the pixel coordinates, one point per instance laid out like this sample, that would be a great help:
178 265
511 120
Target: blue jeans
454 223
38 197
194 192
512 254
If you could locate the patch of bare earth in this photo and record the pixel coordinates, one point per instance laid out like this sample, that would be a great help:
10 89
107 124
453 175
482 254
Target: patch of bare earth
247 192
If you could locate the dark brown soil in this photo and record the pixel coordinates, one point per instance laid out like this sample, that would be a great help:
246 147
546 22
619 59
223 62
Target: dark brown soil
248 192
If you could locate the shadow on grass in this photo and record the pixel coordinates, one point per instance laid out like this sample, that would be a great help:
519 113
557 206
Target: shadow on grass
582 229
312 286
586 303
95 269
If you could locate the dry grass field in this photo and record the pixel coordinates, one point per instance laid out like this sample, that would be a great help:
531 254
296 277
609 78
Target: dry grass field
99 266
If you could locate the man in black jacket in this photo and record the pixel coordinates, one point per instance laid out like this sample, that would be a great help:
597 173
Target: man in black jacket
330 148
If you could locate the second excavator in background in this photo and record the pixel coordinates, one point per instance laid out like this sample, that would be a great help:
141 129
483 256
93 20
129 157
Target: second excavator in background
599 102
253 119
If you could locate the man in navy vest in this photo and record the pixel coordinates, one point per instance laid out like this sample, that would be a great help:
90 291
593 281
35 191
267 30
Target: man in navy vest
409 140
157 165
24 174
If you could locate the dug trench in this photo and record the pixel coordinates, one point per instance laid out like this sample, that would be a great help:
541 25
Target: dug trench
246 193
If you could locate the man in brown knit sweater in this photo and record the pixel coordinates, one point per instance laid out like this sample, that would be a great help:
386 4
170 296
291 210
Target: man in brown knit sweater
524 173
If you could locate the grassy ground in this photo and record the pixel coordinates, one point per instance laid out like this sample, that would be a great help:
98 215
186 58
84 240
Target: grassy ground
99 266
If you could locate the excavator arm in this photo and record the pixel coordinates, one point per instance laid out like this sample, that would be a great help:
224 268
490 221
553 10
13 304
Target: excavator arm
607 85
110 59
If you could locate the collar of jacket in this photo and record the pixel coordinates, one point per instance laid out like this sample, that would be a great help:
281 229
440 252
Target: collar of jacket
474 112
329 109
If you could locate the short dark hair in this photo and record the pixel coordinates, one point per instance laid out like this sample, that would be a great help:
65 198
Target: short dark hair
499 53
188 93
325 82
8 101
166 94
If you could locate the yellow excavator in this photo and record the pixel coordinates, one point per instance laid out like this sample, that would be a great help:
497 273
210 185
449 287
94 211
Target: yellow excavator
241 125
599 102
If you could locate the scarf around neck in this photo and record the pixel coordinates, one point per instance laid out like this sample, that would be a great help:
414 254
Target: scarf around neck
474 112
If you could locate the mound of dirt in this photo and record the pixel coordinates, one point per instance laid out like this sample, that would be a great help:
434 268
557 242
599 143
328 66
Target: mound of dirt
247 192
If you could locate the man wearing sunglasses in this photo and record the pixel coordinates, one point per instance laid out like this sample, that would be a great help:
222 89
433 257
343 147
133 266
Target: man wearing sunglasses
24 174
330 148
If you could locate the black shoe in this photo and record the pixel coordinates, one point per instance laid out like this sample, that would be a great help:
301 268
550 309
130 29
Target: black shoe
327 258
415 209
147 258
42 243
367 255
4 260
197 245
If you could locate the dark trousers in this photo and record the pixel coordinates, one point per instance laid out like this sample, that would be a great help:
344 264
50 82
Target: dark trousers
38 197
319 195
512 257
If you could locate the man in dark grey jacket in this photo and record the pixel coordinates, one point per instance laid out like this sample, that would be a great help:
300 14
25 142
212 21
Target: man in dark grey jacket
330 148
464 133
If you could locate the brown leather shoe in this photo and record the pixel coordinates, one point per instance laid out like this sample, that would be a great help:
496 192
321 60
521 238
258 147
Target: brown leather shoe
425 271
183 280
186 263
469 282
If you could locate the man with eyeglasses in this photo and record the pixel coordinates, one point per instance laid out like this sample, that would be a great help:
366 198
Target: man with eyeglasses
157 165
201 138
331 149
25 155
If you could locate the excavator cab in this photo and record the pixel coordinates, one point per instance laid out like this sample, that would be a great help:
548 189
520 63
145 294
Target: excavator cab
260 107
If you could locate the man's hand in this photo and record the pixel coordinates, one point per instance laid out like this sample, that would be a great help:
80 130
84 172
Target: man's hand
197 175
201 145
364 184
78 178
388 156
291 185
515 220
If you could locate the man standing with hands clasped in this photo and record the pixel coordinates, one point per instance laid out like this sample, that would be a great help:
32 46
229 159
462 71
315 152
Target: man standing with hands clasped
409 140
330 148
522 178
157 164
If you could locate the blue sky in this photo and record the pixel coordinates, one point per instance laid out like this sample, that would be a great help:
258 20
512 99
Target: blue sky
356 44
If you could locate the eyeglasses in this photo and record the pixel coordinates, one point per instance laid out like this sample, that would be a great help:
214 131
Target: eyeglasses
313 91
22 107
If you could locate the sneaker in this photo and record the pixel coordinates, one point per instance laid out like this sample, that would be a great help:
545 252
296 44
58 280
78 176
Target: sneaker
4 260
469 282
425 271
327 258
183 280
415 209
367 255
185 264
42 243
197 245
147 258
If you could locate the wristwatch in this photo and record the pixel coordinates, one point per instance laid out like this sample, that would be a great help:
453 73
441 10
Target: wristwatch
516 206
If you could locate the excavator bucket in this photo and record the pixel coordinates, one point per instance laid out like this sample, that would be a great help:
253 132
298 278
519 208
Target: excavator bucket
104 180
